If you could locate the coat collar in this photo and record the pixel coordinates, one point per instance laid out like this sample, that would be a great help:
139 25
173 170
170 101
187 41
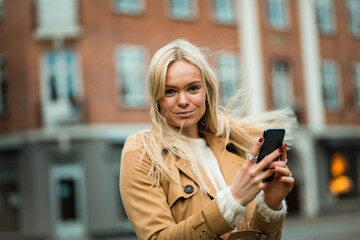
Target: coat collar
229 162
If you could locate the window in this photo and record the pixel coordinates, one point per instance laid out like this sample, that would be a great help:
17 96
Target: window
131 68
57 19
67 197
61 86
343 174
357 83
3 87
277 13
62 76
124 224
325 19
330 85
10 197
1 9
224 11
228 71
129 6
182 9
281 85
354 16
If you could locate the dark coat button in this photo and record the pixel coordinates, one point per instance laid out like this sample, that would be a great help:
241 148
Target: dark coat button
188 189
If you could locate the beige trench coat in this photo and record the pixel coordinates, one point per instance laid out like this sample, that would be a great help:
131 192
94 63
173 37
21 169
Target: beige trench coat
180 211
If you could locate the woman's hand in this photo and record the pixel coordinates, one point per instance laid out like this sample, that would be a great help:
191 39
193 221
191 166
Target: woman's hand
276 190
248 181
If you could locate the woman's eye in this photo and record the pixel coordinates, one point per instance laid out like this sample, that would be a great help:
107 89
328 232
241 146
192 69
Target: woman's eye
194 88
169 92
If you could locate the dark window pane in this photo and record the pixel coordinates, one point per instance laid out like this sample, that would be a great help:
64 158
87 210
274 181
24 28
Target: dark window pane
67 199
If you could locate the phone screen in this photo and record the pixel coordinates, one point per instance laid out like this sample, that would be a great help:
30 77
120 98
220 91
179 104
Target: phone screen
273 139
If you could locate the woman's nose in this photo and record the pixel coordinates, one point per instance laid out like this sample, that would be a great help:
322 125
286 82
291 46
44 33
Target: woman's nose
183 100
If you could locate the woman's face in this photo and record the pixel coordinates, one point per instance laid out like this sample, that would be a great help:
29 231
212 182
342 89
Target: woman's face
184 100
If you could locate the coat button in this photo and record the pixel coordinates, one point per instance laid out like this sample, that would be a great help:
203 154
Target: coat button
188 189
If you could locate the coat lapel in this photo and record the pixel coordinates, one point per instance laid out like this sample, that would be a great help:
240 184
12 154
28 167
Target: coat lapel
181 165
229 163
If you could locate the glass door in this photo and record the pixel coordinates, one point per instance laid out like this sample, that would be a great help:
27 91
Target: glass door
67 200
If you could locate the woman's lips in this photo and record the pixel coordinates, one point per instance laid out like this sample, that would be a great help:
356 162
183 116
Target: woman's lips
184 114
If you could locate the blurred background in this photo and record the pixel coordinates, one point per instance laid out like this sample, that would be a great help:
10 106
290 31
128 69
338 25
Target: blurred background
72 88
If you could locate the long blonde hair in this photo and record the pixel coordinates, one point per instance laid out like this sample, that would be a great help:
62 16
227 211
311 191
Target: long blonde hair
217 121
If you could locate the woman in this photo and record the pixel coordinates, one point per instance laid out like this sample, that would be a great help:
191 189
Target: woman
189 177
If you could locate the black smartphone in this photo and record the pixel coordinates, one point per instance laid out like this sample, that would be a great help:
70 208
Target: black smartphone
273 138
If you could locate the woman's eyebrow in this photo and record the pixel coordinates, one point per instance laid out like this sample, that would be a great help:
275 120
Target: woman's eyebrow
195 82
191 83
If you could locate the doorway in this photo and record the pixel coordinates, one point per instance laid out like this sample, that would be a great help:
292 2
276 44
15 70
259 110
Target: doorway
67 194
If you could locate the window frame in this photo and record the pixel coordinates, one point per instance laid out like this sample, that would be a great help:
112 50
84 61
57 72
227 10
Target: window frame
287 93
2 9
215 14
119 79
237 72
338 86
140 11
356 79
350 9
3 79
287 17
194 13
65 109
332 14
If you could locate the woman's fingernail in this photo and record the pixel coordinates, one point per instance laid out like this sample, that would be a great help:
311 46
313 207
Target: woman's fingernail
272 167
261 139
280 150
279 178
285 145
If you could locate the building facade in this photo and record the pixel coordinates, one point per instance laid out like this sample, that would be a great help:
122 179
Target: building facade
72 88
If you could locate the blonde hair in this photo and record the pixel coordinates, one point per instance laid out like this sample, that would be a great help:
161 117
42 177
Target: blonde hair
217 121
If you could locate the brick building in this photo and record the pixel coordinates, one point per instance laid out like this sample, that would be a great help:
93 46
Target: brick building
72 88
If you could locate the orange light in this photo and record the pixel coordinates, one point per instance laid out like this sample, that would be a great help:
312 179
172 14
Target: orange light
340 185
338 165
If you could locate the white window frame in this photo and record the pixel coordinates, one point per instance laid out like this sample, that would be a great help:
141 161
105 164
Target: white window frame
274 22
331 86
3 95
326 17
220 15
228 74
139 101
138 11
356 77
74 228
64 109
282 86
193 10
354 17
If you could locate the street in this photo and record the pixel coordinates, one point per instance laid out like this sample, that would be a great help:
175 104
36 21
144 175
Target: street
331 227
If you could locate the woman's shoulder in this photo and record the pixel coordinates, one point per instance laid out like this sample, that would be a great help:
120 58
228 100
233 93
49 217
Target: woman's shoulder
136 140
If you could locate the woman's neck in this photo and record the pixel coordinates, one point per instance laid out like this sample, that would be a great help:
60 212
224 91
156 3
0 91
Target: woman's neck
191 132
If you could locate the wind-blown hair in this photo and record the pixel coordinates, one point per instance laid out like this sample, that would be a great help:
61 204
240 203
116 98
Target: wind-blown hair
217 121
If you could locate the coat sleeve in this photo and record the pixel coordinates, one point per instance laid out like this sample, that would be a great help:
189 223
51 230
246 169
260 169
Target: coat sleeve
270 229
149 212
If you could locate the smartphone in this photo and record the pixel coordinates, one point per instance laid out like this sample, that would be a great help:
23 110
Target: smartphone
273 139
